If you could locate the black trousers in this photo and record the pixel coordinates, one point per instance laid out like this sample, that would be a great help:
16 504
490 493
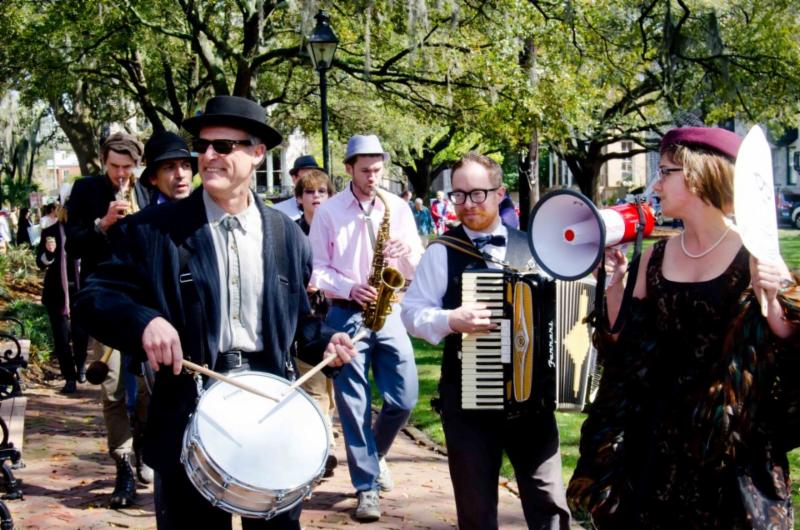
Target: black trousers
475 444
71 358
179 505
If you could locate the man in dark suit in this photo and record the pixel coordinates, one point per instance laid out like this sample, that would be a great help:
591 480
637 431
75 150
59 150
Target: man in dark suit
96 205
219 277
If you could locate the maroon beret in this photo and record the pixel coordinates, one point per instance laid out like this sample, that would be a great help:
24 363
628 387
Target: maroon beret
716 139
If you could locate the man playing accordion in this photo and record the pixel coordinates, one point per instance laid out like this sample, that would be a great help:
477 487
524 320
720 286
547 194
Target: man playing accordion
433 310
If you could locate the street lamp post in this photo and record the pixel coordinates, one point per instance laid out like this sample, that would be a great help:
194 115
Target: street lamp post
322 47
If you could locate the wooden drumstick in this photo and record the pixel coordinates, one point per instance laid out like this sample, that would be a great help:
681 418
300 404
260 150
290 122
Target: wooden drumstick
325 362
219 377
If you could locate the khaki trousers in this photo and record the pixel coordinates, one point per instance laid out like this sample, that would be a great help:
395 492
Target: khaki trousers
115 413
320 388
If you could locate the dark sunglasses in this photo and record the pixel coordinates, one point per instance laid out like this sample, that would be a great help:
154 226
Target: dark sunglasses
222 147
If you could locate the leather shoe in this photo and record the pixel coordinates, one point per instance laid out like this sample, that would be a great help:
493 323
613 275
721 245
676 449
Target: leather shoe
330 465
70 387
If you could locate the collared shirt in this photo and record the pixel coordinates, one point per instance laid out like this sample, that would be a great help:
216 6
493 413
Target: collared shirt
342 247
241 284
290 208
422 312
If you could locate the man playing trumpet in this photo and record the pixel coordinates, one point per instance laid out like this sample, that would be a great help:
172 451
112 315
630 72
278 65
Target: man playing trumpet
96 204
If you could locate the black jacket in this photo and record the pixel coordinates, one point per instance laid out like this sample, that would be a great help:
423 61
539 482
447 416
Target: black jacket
53 290
143 280
88 201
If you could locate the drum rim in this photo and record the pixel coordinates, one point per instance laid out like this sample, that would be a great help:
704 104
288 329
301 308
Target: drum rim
275 509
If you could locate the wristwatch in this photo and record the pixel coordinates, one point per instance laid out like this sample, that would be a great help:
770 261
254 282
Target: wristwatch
98 226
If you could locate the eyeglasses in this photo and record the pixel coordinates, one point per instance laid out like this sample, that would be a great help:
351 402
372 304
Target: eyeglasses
663 172
476 196
222 147
321 191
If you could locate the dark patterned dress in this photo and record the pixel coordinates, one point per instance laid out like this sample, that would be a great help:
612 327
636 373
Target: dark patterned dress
682 433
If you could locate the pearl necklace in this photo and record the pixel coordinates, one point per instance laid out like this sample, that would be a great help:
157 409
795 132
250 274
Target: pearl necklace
706 251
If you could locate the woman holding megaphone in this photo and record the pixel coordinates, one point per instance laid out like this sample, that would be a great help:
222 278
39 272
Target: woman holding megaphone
698 402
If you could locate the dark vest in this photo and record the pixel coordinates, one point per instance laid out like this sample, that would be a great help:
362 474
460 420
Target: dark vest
517 255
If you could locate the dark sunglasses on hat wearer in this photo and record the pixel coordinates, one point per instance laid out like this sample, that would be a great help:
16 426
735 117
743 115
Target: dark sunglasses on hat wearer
222 147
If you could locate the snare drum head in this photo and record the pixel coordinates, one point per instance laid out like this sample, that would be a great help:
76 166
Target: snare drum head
258 442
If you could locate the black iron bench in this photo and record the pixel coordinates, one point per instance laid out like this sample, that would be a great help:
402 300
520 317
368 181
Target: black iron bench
14 352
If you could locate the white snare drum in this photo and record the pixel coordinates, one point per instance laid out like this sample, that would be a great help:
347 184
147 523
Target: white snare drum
250 456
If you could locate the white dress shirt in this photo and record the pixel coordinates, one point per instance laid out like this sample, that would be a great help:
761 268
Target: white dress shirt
241 285
290 208
422 311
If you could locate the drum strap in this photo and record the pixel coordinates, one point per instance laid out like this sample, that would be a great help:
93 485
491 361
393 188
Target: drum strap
194 338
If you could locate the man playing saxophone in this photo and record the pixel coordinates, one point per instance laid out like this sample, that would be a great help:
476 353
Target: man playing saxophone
347 231
96 205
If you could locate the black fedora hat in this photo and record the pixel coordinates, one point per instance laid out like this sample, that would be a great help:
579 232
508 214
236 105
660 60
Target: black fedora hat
304 162
237 112
164 145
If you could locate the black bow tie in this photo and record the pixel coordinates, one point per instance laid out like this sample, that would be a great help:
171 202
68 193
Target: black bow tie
482 241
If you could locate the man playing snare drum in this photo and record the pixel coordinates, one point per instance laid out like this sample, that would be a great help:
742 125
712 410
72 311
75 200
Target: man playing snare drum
215 277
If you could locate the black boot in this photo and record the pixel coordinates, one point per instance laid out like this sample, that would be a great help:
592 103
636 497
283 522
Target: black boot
125 487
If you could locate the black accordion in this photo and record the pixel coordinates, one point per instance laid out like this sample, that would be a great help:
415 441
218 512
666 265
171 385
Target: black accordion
540 356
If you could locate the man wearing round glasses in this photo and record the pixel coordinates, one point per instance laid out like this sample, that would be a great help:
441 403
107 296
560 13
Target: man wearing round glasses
433 310
217 277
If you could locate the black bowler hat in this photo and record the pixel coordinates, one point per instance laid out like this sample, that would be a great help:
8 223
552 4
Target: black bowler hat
304 162
162 146
236 112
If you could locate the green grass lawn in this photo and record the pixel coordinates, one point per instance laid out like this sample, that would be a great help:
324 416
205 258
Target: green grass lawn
429 361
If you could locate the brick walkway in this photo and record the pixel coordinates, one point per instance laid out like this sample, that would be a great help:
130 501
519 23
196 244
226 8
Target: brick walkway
68 478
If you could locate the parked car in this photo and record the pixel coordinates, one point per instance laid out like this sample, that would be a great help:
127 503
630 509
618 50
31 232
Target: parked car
787 206
662 220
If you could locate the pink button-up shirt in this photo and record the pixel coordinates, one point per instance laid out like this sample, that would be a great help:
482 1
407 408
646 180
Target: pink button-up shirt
342 247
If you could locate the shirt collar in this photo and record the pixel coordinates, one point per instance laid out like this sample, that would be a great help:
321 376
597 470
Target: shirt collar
356 204
246 218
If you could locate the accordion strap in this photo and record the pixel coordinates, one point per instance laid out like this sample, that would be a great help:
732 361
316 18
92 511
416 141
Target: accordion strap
469 249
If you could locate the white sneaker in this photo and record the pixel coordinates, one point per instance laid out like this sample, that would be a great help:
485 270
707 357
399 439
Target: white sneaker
369 506
385 482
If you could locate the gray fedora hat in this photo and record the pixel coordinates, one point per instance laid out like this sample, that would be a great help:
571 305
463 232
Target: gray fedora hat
304 162
360 144
237 112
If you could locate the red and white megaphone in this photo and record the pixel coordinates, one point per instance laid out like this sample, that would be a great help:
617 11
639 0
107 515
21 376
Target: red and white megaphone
567 234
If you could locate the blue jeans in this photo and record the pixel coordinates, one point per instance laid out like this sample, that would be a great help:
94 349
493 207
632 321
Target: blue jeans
391 357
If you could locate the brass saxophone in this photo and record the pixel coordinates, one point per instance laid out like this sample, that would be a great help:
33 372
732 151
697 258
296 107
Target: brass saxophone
386 280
